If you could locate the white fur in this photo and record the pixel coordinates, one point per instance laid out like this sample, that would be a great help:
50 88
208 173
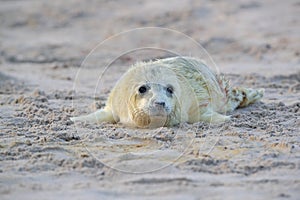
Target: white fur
198 95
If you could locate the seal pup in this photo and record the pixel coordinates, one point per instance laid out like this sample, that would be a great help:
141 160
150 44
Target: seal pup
170 91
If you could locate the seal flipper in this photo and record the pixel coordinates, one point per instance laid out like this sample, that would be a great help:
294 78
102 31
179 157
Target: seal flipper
103 115
250 96
242 97
213 117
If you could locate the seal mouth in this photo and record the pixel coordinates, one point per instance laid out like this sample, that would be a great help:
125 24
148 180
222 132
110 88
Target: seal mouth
158 112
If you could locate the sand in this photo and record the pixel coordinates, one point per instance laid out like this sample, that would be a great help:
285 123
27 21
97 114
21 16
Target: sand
47 75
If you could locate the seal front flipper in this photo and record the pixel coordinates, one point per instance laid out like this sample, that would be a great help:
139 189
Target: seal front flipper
103 115
213 117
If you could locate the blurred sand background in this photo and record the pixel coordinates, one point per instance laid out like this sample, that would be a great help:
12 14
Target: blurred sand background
45 78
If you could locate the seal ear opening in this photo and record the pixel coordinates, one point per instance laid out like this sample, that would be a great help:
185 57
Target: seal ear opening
103 115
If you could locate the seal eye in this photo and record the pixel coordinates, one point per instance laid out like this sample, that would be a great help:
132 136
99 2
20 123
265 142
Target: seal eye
142 89
170 90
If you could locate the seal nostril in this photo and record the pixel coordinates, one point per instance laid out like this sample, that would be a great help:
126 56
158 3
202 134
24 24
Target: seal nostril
160 104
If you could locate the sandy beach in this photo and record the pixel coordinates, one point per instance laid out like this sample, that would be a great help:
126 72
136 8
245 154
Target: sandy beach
60 59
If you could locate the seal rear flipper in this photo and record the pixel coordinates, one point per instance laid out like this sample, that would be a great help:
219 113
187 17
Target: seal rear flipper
241 97
246 96
250 96
103 115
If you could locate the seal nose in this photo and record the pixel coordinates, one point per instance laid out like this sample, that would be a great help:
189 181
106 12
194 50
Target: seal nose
160 103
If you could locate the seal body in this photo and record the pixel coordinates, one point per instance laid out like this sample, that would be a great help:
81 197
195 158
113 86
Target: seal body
170 91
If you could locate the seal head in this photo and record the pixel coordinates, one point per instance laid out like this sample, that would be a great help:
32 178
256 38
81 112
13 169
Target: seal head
154 98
